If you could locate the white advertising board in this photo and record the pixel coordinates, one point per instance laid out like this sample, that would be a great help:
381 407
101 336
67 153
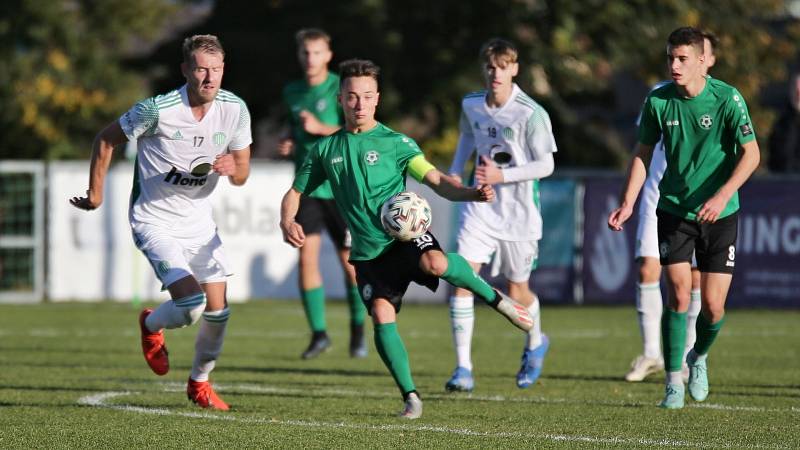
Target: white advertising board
91 255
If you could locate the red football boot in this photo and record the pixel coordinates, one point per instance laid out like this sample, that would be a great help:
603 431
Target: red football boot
155 352
203 395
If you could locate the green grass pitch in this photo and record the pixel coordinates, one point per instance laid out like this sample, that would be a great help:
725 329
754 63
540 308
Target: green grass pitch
72 376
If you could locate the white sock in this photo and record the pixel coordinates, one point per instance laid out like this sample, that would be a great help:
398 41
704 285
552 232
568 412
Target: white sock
462 320
177 313
649 306
208 345
534 337
674 378
691 321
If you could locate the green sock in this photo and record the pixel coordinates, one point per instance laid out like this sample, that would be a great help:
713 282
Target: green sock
673 339
393 353
460 274
357 309
314 305
706 333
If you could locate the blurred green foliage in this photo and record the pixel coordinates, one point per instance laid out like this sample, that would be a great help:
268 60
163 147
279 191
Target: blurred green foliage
62 77
588 62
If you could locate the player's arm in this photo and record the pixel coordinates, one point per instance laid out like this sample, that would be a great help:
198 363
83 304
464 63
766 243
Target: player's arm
464 148
445 186
235 165
314 126
102 150
637 173
292 231
747 164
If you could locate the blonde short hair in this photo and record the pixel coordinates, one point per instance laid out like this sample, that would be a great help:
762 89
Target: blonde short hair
499 51
206 43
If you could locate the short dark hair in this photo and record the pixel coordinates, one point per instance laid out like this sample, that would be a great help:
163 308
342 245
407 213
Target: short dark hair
311 34
358 68
712 39
686 36
207 43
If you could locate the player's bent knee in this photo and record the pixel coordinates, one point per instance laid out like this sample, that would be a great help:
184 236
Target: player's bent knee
192 307
433 263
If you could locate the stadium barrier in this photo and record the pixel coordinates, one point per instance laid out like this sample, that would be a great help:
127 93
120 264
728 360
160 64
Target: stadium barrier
91 256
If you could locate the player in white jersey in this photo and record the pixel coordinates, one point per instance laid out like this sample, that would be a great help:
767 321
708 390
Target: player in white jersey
649 304
513 141
186 140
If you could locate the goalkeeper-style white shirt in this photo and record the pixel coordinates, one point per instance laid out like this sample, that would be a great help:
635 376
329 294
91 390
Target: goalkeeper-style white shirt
518 137
658 164
175 151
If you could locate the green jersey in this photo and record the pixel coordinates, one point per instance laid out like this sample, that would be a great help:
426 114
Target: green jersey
364 170
700 137
320 100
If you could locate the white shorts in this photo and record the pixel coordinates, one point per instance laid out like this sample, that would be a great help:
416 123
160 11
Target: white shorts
647 237
175 258
513 259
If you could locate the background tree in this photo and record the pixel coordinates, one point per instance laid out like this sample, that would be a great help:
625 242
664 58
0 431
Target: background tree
62 77
589 62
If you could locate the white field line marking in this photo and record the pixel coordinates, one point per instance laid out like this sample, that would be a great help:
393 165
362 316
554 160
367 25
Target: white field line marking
178 387
101 399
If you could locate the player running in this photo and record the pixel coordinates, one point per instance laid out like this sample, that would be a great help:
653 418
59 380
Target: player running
366 163
513 142
711 150
186 140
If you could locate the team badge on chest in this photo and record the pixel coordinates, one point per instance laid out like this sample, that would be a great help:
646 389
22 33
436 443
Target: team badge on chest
705 122
371 157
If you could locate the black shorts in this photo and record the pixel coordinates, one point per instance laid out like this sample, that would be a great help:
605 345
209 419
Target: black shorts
315 213
389 275
713 244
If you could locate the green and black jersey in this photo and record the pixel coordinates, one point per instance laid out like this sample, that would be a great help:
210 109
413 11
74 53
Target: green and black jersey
320 100
701 136
363 170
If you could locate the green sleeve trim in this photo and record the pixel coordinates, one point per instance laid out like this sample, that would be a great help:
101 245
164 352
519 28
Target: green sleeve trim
418 167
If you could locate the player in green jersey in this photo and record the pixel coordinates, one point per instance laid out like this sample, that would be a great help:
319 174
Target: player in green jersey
711 150
366 163
314 112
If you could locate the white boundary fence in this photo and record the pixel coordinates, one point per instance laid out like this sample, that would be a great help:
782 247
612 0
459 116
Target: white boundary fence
91 255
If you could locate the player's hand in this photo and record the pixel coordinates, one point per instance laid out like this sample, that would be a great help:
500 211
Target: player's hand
711 209
88 203
310 123
293 234
485 193
224 165
285 147
487 172
618 217
454 179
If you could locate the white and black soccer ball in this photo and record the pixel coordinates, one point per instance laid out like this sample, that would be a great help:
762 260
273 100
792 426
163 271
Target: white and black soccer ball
406 216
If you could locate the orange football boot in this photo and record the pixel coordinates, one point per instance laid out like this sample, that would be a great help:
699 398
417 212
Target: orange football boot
155 352
203 395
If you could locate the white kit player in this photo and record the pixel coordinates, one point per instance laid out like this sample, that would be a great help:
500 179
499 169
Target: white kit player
186 140
649 304
512 138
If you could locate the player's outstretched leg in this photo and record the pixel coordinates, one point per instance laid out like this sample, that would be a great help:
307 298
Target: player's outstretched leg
460 274
153 346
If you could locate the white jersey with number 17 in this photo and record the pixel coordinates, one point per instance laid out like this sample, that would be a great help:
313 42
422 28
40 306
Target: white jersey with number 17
175 151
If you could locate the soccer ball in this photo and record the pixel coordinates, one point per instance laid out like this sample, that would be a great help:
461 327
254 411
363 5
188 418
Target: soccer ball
406 216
